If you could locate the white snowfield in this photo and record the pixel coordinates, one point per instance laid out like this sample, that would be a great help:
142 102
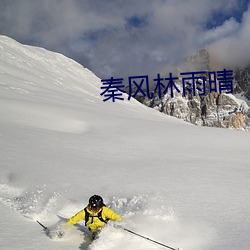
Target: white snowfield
182 185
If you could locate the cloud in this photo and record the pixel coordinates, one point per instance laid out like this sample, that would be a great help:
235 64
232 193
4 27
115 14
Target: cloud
123 38
232 50
226 29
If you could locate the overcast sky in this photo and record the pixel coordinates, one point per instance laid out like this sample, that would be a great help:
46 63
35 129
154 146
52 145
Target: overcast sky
123 38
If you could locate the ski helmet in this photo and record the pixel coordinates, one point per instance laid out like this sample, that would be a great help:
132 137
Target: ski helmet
95 202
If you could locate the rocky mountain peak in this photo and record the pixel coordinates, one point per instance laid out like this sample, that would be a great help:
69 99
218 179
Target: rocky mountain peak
199 61
212 109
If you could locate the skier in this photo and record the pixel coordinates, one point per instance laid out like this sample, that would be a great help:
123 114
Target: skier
95 214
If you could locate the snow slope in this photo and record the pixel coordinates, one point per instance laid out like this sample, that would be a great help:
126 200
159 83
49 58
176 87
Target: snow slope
176 183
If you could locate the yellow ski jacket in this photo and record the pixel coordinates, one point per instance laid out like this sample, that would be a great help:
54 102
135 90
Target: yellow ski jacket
94 223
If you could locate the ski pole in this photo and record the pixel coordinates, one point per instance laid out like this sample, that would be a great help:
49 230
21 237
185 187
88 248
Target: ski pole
45 228
146 238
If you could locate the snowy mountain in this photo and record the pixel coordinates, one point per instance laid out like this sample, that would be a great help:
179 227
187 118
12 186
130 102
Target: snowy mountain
242 78
212 109
182 185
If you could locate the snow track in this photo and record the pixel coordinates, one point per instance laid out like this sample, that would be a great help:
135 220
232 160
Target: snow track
146 214
32 203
